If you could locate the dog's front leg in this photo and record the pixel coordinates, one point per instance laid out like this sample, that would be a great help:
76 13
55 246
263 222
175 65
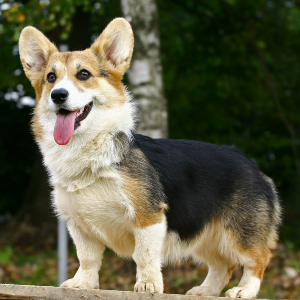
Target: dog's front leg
89 253
148 257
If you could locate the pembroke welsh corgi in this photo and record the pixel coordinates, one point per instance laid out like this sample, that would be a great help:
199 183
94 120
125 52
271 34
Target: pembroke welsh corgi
155 200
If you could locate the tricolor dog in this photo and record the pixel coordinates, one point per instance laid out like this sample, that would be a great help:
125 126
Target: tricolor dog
155 200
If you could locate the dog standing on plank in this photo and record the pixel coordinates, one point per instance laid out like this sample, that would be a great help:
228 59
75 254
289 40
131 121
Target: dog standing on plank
155 200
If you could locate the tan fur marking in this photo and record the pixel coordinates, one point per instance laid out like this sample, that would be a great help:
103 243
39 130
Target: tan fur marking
109 46
35 50
259 254
114 79
231 269
137 193
36 127
215 237
136 187
262 258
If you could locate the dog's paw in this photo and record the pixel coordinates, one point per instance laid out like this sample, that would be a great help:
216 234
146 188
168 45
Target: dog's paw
150 287
80 283
241 292
203 291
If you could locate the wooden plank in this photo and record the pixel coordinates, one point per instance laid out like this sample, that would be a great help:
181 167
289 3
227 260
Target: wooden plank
15 292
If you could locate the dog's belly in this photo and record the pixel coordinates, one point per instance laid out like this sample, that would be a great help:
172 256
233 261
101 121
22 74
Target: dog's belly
101 211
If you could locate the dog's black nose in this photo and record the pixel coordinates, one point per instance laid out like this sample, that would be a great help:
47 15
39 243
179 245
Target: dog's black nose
59 96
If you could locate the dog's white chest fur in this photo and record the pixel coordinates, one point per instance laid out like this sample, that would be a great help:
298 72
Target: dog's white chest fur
100 210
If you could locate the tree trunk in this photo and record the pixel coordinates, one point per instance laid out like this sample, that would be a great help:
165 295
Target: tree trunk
145 73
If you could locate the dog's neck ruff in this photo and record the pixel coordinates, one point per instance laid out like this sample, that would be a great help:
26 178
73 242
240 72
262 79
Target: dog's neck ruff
88 157
77 167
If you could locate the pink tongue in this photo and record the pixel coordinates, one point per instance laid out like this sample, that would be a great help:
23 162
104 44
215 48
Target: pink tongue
64 126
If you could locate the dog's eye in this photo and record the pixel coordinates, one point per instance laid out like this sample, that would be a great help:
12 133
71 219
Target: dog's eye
51 77
83 74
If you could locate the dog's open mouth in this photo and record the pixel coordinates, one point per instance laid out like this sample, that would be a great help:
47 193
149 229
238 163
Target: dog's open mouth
67 121
82 114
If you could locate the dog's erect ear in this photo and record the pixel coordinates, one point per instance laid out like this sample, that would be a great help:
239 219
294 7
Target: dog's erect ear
35 50
115 45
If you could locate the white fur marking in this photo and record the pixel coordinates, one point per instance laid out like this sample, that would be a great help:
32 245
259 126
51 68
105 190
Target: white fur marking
148 256
76 100
89 253
248 286
214 282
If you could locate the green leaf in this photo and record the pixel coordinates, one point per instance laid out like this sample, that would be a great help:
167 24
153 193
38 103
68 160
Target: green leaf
294 19
6 255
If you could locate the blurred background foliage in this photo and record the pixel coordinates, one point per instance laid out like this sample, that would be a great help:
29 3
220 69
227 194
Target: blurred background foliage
231 75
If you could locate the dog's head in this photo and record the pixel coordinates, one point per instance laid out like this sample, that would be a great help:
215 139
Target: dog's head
81 91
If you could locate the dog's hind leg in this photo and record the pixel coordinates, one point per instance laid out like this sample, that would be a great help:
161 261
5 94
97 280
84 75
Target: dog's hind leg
254 268
218 276
209 248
